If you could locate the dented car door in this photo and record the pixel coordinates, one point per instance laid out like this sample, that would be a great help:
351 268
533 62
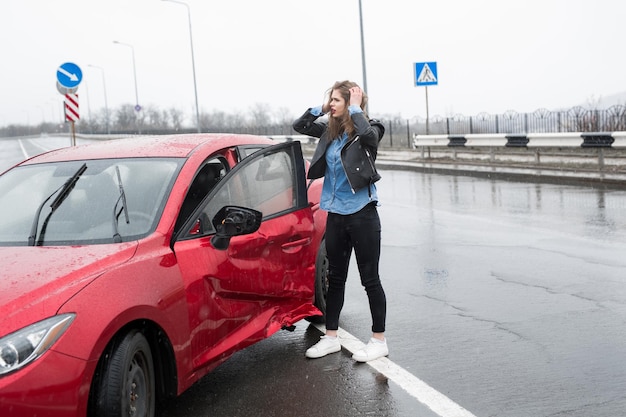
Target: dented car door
260 281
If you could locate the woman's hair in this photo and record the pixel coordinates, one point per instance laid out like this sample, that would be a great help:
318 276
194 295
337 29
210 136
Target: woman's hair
336 127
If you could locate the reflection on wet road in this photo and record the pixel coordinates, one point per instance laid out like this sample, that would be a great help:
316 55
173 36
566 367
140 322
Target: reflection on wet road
509 297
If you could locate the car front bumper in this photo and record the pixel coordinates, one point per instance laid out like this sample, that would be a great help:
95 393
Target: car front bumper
52 386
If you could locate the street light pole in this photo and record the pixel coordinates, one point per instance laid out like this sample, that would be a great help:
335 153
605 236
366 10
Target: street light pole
43 115
137 107
106 104
193 63
363 52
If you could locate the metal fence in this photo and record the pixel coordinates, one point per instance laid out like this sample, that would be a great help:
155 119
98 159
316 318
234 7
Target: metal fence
577 119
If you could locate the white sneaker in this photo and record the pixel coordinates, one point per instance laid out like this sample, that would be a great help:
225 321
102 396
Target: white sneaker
373 350
325 346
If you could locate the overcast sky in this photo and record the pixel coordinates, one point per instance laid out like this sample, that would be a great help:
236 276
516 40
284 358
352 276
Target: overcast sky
492 55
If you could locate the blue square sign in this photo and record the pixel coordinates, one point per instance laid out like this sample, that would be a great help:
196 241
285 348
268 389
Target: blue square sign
426 73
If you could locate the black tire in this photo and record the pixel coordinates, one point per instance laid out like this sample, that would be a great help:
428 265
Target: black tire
126 386
321 284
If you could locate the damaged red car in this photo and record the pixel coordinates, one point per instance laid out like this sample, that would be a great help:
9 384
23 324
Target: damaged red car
133 267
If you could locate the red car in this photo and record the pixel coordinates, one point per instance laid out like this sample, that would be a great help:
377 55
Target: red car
131 268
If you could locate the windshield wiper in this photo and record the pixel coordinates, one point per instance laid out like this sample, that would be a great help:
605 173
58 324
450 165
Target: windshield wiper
60 198
117 238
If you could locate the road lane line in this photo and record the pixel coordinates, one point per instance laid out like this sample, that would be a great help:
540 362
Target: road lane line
23 149
35 144
417 388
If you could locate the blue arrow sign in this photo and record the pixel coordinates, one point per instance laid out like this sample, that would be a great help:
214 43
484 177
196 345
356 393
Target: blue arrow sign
426 73
69 75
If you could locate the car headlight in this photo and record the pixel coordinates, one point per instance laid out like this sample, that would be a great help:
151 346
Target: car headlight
24 346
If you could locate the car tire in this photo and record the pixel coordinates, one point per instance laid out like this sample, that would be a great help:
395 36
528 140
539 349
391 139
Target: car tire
126 386
321 284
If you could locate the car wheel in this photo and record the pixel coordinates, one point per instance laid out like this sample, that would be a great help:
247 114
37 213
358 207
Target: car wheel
321 283
126 386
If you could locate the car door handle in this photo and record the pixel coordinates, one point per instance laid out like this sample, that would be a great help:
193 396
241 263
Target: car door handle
290 246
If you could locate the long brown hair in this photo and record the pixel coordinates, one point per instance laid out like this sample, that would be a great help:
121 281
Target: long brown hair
336 127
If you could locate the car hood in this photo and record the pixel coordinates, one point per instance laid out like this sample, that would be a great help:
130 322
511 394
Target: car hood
36 281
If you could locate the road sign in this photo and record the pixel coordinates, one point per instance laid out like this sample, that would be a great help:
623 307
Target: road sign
69 75
71 108
65 90
425 73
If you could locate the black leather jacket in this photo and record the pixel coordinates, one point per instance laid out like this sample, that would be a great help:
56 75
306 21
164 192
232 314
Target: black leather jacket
369 132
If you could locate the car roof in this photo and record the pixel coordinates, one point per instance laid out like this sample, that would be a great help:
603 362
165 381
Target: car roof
176 146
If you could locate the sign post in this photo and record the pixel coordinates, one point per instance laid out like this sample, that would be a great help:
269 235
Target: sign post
425 75
69 75
71 113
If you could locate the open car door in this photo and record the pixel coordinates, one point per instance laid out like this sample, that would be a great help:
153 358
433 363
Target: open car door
245 288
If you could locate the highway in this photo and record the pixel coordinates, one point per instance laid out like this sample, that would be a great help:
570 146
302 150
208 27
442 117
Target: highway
506 298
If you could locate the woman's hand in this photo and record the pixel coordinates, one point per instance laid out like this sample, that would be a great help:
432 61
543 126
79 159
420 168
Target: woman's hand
356 96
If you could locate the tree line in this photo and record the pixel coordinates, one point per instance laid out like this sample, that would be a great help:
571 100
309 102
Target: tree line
261 119
258 119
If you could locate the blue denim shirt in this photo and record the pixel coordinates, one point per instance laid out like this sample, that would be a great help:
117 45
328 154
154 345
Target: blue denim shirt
337 196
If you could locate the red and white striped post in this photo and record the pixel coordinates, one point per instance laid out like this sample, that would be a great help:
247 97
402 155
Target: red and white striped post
71 113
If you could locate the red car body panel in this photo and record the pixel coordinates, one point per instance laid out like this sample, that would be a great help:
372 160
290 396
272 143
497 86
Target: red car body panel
43 276
182 146
208 303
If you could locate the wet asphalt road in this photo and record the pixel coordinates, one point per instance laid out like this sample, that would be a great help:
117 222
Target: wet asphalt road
509 298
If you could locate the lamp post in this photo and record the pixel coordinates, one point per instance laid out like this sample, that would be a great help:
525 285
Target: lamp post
106 104
43 115
193 63
27 122
363 52
137 107
51 110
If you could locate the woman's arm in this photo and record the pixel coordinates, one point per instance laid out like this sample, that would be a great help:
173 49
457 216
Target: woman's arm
307 124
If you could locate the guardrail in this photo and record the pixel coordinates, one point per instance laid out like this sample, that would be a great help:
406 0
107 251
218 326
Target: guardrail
530 140
509 140
540 145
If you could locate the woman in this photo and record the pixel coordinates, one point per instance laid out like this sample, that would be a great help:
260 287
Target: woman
353 221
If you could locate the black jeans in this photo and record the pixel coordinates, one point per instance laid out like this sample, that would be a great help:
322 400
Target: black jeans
359 231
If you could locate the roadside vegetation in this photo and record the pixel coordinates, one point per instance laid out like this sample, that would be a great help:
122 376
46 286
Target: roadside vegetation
262 119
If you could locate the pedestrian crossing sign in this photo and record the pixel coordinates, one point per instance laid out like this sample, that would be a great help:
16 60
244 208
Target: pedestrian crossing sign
425 73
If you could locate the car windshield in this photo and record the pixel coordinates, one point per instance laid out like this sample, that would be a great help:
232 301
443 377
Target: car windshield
83 202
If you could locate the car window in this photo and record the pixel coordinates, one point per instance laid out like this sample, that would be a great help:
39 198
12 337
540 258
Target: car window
266 184
209 174
93 210
247 150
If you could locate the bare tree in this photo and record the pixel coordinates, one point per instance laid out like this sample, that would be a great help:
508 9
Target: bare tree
176 118
125 117
156 119
260 115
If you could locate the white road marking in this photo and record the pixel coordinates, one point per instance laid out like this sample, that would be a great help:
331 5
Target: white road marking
43 148
36 144
23 149
417 388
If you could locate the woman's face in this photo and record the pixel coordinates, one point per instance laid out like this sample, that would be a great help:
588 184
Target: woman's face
337 104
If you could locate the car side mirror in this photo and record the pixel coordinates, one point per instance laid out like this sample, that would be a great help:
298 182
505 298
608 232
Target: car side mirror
234 221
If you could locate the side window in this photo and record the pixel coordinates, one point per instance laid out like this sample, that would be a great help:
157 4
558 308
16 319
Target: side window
207 177
267 184
247 150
